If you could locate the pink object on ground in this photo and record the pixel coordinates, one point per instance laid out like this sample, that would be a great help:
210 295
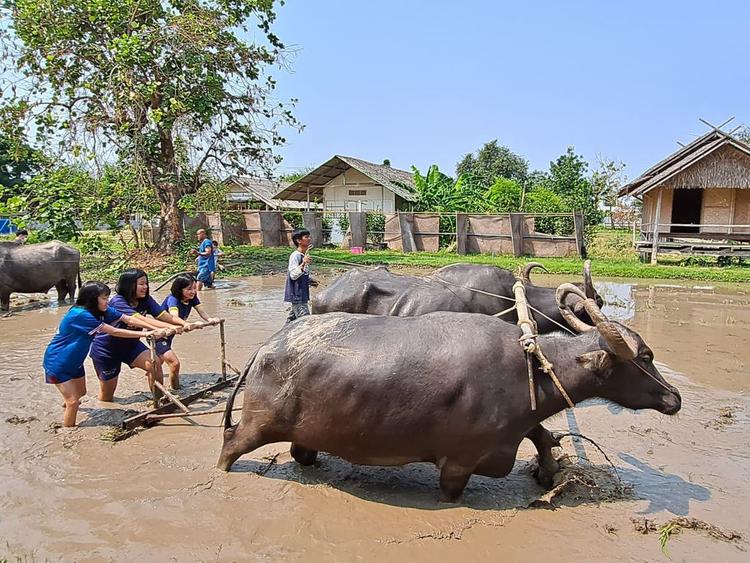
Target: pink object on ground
356 249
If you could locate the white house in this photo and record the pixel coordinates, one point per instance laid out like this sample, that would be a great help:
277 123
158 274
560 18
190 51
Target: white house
350 184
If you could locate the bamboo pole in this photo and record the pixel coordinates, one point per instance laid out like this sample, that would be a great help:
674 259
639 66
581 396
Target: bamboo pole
223 351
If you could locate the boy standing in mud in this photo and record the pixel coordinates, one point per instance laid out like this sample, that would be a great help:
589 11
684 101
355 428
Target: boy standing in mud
297 289
205 259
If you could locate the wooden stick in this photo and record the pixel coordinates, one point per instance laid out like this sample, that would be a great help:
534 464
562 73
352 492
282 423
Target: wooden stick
183 414
223 351
154 363
172 398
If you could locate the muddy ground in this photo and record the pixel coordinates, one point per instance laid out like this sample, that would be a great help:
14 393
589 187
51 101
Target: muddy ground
74 495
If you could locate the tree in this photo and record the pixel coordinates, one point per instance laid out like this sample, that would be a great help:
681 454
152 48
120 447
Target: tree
167 85
62 200
492 162
567 178
606 182
504 196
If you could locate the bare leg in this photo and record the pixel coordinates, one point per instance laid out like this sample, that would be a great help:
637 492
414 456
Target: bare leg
143 361
107 389
173 362
72 391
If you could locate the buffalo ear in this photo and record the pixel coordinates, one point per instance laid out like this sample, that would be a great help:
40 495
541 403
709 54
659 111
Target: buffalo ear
598 361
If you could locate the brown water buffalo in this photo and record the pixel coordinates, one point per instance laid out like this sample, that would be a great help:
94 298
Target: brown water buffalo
380 292
446 388
35 268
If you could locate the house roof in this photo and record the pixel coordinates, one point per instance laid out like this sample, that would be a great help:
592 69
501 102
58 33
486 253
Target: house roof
680 160
250 188
398 181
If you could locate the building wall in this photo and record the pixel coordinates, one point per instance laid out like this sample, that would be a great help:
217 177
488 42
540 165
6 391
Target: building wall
649 208
717 209
741 211
345 191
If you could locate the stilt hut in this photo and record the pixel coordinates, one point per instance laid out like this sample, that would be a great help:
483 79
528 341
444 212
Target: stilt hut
697 200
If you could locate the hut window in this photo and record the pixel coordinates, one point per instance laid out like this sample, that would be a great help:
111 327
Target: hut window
357 192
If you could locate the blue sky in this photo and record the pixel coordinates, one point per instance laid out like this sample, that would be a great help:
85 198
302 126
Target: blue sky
423 82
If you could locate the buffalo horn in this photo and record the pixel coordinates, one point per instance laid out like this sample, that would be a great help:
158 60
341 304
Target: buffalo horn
588 284
621 344
527 270
574 322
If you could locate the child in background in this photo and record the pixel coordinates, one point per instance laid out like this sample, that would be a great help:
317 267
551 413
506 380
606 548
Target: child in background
217 252
63 359
179 303
297 289
204 254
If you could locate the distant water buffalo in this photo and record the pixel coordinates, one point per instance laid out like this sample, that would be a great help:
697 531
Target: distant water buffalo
446 388
380 292
35 268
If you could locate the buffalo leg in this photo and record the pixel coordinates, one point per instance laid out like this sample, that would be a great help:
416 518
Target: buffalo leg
544 442
4 301
239 440
453 479
303 456
71 283
62 291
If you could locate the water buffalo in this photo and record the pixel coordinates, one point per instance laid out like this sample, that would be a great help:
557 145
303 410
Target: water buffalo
446 388
35 268
380 292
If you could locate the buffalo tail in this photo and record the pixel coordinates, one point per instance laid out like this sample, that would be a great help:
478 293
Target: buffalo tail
230 402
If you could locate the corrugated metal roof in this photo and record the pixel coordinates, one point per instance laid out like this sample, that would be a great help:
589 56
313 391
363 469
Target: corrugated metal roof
262 189
398 181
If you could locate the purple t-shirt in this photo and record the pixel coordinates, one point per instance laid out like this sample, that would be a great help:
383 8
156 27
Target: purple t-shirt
105 342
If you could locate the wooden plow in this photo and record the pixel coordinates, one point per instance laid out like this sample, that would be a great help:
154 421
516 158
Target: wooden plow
177 406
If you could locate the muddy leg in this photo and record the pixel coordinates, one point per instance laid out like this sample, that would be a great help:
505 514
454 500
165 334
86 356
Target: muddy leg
4 301
238 440
303 456
453 479
548 466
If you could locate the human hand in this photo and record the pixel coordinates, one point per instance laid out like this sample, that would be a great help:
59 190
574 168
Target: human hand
307 260
214 320
197 325
194 252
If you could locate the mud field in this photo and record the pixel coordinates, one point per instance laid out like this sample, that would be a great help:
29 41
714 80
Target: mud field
76 495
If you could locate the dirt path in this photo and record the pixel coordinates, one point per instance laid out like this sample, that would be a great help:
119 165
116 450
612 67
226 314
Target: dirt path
69 495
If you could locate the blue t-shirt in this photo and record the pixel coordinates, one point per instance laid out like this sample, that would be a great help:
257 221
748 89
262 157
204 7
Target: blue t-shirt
121 305
183 307
205 261
67 350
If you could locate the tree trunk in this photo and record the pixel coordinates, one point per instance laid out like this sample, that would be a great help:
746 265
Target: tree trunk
170 230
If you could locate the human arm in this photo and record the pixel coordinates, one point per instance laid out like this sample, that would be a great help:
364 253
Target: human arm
125 333
204 315
298 267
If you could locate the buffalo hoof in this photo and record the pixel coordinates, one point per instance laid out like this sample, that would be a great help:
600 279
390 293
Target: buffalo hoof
303 456
545 473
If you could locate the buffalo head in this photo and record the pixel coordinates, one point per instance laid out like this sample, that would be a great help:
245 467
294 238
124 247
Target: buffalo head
622 362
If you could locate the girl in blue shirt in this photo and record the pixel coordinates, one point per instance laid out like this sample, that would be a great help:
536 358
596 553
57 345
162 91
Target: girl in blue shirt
63 359
179 303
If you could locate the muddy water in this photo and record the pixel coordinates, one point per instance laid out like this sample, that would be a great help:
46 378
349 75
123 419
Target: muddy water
69 495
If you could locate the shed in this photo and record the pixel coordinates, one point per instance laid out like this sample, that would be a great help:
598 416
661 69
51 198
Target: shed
700 193
249 192
344 183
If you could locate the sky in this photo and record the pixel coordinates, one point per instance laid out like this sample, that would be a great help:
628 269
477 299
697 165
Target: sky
425 82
